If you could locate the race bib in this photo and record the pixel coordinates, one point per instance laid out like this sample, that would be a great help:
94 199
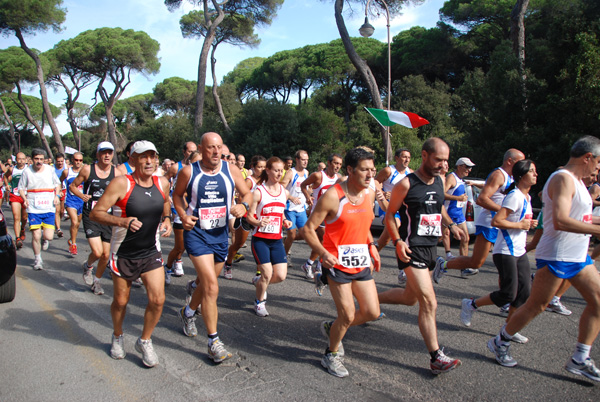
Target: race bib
43 200
430 225
354 256
94 204
587 218
529 216
212 218
460 204
274 225
15 190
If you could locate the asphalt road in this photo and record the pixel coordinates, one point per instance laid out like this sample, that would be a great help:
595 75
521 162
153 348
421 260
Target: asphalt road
55 342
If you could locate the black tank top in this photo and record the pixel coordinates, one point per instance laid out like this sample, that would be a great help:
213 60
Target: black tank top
95 186
146 204
420 214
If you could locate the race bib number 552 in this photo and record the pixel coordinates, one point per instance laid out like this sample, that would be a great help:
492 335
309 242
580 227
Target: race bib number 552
354 256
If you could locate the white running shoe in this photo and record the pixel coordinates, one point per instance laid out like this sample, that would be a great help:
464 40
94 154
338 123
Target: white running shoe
308 271
334 364
38 265
145 347
558 308
402 278
88 274
466 312
438 271
178 268
260 309
117 350
45 244
228 272
168 273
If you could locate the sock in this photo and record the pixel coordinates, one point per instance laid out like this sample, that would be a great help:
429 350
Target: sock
582 352
505 337
194 285
555 300
37 257
434 355
309 262
444 265
96 280
168 268
189 312
473 304
448 253
212 338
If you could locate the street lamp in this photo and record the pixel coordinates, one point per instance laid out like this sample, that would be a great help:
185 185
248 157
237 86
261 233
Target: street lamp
366 30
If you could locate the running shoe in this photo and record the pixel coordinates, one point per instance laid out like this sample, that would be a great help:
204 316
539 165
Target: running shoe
289 260
19 243
438 271
88 276
38 265
178 268
238 257
59 233
260 309
381 316
72 248
189 290
255 279
168 273
466 312
217 351
228 272
587 368
504 310
307 269
138 282
449 256
147 350
318 267
117 350
319 285
402 278
97 288
468 272
334 364
189 323
325 329
558 308
443 363
502 353
518 338
45 244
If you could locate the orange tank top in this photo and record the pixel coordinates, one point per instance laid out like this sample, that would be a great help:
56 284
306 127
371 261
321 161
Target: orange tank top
347 234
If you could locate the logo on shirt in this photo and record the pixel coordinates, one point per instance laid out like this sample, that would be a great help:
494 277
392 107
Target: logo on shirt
148 193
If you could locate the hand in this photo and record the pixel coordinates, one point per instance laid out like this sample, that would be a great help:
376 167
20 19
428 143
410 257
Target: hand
328 260
166 227
388 195
376 258
525 224
295 200
403 251
188 221
457 233
264 221
287 224
134 224
464 198
56 200
26 203
238 210
534 223
86 197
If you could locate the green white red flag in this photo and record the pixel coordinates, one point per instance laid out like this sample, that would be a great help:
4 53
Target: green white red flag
388 118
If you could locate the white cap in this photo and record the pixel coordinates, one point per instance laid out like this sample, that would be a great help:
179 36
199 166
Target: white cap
464 161
104 145
139 147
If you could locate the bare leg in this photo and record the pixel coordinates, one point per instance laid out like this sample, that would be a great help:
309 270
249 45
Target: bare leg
154 281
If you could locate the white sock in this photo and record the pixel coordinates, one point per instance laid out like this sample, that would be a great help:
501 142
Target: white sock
555 300
96 280
309 261
37 257
189 312
582 352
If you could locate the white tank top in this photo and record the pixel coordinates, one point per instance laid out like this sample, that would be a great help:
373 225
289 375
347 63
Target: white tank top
558 245
485 216
254 183
271 206
326 182
394 177
294 189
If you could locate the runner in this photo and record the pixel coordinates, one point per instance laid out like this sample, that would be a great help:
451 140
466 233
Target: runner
510 256
241 162
295 208
95 178
456 197
174 259
40 189
19 211
347 249
139 201
209 185
73 204
562 254
266 214
490 199
320 182
59 167
420 199
127 167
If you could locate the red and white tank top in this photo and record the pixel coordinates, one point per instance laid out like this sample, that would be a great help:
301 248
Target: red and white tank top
273 207
326 182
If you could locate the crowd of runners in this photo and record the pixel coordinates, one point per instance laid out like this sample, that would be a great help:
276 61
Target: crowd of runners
212 203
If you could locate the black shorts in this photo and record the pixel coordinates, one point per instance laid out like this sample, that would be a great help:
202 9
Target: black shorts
422 257
131 269
177 226
341 277
94 229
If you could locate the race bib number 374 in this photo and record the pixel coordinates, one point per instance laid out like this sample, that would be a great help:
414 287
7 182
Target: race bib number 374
430 225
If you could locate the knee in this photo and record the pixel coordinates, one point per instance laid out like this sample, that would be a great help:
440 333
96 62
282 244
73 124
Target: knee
210 289
346 318
428 304
120 302
266 276
157 300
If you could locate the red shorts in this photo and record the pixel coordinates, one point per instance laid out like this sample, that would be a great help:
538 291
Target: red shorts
16 198
63 194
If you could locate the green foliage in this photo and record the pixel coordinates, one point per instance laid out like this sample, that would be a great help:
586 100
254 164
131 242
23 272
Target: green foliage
14 109
175 95
16 66
30 16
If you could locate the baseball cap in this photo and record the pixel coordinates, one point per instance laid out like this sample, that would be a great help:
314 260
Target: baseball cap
139 147
104 145
464 161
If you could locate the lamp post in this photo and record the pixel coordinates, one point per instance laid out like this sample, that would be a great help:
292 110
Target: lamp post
366 30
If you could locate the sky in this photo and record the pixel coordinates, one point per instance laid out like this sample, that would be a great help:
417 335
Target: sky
298 23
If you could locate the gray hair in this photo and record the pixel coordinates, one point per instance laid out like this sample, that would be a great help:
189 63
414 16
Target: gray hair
584 145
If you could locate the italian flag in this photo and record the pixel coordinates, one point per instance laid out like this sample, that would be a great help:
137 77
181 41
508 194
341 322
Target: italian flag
388 118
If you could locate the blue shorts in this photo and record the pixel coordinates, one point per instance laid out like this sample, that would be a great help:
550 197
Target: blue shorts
37 221
196 246
298 219
489 234
71 203
268 251
564 270
457 216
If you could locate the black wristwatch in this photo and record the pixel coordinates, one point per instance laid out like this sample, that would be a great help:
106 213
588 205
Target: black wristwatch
245 204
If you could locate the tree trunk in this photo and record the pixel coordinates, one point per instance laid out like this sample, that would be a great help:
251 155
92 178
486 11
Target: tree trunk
12 142
202 63
23 106
517 34
43 93
362 67
215 93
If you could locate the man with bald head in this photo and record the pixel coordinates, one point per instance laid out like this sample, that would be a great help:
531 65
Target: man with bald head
419 199
208 186
11 181
490 199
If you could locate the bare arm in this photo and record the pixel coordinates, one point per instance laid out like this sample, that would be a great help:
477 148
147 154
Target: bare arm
326 206
561 190
492 184
314 178
166 226
245 195
398 195
500 221
83 175
187 221
116 189
448 184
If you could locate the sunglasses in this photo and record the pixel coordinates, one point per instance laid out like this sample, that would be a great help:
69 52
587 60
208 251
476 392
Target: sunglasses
77 160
